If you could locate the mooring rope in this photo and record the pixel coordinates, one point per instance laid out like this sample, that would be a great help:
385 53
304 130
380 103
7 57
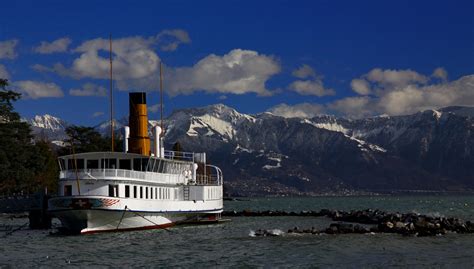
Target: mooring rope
121 218
14 230
137 214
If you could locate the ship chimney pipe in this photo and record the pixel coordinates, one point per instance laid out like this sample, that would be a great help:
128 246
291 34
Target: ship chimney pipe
157 141
139 141
126 136
162 146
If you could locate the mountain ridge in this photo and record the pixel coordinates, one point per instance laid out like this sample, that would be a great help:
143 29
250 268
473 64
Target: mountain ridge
269 154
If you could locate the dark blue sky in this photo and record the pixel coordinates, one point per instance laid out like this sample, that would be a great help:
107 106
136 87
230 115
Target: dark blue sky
339 40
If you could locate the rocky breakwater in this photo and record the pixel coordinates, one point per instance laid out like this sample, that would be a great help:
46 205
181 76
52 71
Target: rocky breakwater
371 221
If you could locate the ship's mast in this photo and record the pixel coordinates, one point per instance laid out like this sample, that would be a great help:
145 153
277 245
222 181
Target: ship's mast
111 97
161 99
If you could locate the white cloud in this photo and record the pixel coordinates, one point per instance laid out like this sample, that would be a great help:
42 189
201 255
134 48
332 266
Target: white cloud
394 78
394 99
133 57
360 86
42 68
312 86
222 97
38 89
353 107
398 92
135 66
413 98
237 72
7 49
58 45
169 40
304 71
89 89
4 72
154 108
303 110
97 114
440 73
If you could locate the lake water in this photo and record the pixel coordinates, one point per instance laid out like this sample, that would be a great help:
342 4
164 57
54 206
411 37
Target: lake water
230 244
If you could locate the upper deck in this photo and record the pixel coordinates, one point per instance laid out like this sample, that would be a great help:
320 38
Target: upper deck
175 168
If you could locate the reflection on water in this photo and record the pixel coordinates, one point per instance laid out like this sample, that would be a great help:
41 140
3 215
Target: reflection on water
230 245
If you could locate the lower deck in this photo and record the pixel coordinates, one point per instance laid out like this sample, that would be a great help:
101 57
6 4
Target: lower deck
140 191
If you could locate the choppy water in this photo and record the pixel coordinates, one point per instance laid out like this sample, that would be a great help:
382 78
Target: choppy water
229 245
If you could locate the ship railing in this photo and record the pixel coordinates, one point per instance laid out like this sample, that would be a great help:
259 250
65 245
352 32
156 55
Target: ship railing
96 174
213 176
196 157
179 155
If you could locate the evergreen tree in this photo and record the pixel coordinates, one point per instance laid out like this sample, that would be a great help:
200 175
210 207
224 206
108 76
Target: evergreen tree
6 107
25 166
86 139
16 146
47 170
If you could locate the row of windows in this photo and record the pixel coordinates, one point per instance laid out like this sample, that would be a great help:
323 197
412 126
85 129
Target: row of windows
139 164
141 192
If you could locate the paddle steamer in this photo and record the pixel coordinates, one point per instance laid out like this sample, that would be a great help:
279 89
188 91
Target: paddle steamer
144 187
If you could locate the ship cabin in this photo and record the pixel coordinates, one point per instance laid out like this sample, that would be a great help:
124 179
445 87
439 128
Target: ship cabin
130 175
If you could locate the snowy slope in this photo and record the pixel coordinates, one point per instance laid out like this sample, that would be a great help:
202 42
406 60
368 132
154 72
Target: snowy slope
48 122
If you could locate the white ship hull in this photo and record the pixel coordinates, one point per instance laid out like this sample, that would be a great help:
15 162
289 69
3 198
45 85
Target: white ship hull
93 214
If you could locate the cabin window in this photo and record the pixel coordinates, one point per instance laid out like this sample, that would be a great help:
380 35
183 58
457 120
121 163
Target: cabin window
134 191
62 164
159 166
109 163
125 164
67 190
71 164
92 164
137 164
146 193
141 192
127 191
151 165
144 164
113 190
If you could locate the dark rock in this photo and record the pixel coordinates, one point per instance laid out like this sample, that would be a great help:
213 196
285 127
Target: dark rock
360 229
333 229
470 226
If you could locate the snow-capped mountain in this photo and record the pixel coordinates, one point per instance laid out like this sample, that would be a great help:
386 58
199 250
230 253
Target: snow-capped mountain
217 121
264 153
48 122
104 127
49 127
427 150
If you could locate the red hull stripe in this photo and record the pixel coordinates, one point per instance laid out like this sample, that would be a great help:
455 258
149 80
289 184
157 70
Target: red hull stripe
163 226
